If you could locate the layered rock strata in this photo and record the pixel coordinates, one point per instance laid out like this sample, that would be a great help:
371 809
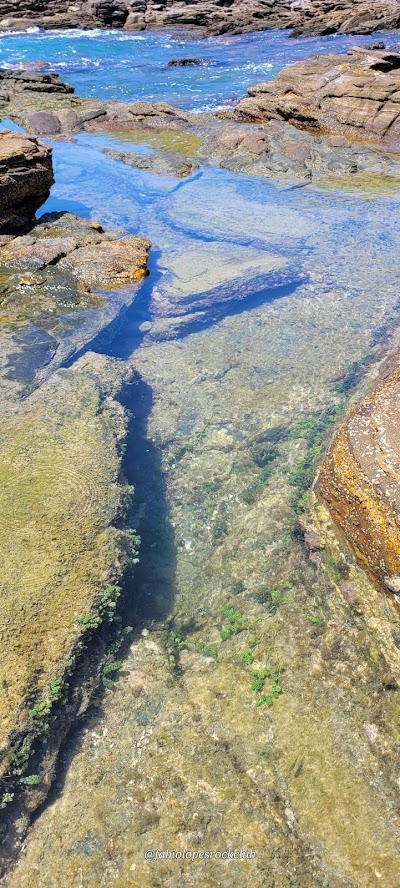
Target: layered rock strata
274 148
356 95
57 266
359 479
26 176
304 16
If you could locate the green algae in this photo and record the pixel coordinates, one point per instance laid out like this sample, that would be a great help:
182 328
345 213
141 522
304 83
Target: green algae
368 186
185 143
60 496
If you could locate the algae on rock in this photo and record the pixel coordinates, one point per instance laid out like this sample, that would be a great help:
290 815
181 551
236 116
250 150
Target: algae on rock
61 500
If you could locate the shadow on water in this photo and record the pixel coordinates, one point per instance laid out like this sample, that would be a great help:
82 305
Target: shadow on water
124 335
149 588
150 592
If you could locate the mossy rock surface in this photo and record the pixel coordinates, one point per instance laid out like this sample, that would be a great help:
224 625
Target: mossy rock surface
60 495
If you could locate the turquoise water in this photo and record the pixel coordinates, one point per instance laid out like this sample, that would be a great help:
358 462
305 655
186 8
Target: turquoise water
131 66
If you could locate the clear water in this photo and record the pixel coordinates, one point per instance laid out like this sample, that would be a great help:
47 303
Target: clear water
133 66
259 301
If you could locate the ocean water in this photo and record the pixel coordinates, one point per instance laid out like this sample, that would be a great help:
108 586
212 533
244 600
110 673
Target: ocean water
130 66
263 308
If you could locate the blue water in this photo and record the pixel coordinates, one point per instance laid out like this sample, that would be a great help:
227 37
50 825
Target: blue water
113 65
220 220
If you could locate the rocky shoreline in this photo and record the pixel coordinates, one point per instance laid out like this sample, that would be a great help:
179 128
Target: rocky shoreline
326 117
63 494
306 17
65 430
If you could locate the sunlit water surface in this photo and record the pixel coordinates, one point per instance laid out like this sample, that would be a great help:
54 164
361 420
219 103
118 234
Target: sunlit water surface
261 306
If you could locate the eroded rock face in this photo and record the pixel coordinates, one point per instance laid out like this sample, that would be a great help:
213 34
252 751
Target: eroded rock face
56 268
44 105
357 95
305 16
26 176
359 479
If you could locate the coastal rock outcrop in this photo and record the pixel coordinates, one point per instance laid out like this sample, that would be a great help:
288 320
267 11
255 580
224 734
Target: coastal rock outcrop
62 557
359 479
355 95
56 268
26 176
63 496
213 16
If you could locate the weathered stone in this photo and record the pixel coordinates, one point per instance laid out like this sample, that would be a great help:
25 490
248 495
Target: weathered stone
60 264
44 123
161 163
26 176
359 479
354 95
212 16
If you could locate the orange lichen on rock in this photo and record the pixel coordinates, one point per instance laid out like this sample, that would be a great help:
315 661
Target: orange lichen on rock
359 479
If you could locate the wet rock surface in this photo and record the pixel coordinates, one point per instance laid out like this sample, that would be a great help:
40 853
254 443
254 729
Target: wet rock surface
307 772
305 16
258 693
282 152
26 176
61 495
49 279
161 163
45 105
274 149
356 95
359 479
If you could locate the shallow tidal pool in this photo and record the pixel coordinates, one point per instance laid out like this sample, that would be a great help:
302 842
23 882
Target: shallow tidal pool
251 709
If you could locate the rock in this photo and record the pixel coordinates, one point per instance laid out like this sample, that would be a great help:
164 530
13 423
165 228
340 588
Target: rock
160 163
49 280
44 123
356 95
26 176
185 63
212 16
350 593
377 44
61 496
12 82
359 479
393 584
109 264
274 148
281 151
312 541
74 257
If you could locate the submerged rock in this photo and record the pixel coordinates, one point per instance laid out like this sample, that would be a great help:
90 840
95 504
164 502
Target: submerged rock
359 479
186 63
61 495
160 163
26 176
